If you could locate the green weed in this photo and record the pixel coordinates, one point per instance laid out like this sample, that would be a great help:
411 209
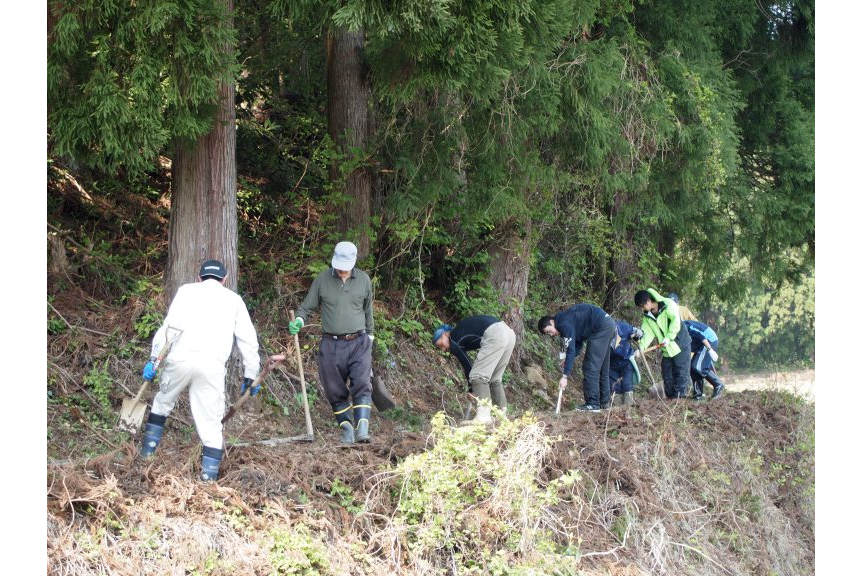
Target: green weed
98 380
345 496
297 552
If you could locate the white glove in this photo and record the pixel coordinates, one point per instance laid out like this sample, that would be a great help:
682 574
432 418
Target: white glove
371 336
713 354
665 342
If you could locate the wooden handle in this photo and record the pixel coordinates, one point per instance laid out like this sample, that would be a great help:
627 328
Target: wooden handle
270 364
308 427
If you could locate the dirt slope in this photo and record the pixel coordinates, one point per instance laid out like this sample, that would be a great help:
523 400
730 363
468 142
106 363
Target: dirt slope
689 478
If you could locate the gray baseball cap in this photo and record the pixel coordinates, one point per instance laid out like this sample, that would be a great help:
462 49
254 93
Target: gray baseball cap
344 257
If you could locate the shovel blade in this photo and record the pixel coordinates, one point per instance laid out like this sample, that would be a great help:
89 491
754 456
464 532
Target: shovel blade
132 415
380 395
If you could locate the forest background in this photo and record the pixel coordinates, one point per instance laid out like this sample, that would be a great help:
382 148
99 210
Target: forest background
464 295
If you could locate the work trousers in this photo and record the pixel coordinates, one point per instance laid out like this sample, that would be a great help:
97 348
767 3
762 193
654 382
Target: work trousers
495 350
675 372
702 368
597 364
338 360
204 377
621 374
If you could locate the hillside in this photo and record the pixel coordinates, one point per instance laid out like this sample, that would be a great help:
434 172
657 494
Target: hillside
724 487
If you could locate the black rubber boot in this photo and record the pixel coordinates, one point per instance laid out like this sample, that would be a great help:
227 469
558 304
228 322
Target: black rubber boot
344 417
152 434
362 417
697 389
210 463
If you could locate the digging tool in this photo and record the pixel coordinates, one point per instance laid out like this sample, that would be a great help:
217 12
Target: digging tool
559 401
380 394
270 364
649 371
132 413
309 431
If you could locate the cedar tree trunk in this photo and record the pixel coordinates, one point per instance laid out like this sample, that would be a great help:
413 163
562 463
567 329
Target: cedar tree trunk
203 221
348 94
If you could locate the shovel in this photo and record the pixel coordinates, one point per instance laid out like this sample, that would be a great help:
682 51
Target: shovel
380 394
658 391
270 364
132 413
309 431
559 401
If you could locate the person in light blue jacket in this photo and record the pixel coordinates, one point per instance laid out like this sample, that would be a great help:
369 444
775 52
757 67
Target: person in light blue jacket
704 347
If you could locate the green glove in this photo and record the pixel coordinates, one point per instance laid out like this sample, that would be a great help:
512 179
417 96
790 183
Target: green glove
294 325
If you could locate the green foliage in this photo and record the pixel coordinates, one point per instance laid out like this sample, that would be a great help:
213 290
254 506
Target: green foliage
771 327
56 325
297 551
124 78
408 416
345 496
98 380
475 498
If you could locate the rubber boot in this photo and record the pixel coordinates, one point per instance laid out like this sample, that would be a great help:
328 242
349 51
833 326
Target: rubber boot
152 434
498 395
483 416
210 462
344 417
481 389
362 417
628 398
697 390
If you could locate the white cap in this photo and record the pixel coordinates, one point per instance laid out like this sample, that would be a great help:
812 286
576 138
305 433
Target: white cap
344 257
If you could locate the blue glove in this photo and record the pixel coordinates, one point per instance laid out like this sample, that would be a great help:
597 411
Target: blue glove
150 369
246 382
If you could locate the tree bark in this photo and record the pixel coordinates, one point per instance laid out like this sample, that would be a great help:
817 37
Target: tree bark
349 94
203 222
620 292
510 271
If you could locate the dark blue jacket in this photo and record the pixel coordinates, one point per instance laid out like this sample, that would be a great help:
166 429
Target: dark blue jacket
621 346
575 326
698 331
466 336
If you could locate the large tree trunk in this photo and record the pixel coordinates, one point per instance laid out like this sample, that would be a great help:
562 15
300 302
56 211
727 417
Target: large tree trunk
624 265
203 198
349 93
510 271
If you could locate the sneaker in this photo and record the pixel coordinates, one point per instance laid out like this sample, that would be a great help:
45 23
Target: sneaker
588 408
700 398
606 406
717 391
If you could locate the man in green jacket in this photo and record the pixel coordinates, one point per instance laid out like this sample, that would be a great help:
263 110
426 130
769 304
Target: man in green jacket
661 321
345 298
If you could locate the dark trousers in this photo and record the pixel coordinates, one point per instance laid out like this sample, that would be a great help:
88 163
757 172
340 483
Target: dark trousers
675 372
597 364
702 369
621 374
338 360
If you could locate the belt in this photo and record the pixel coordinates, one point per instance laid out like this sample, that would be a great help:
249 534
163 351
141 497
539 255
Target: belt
347 337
